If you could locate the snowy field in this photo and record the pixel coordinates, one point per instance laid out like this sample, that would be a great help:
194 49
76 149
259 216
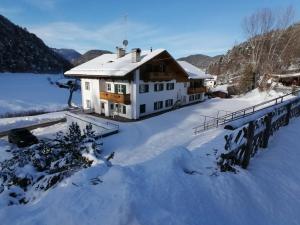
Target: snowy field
27 92
149 182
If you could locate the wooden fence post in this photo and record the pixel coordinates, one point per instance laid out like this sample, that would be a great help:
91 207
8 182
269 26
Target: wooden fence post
288 114
267 131
249 145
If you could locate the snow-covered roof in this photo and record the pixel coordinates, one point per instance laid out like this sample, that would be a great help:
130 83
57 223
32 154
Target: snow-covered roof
193 71
222 88
110 65
286 75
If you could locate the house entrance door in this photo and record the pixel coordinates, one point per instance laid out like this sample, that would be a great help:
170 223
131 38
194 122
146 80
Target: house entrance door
103 106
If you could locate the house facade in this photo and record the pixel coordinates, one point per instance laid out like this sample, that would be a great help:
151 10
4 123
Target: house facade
138 83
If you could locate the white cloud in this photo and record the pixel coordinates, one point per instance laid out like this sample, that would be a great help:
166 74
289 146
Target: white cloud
83 38
70 35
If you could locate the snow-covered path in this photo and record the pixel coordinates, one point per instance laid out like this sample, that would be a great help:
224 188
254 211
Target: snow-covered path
140 141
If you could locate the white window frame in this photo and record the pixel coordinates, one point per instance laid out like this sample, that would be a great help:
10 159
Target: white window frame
170 86
158 87
88 103
191 98
169 103
120 108
87 85
119 88
143 89
108 87
158 105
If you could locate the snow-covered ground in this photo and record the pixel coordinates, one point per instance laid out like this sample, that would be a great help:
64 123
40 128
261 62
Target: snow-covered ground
151 180
26 92
17 122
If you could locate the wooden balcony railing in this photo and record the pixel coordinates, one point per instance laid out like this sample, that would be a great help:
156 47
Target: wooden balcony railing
160 76
116 98
197 90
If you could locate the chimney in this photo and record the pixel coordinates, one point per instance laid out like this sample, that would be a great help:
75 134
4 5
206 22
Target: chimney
120 52
136 55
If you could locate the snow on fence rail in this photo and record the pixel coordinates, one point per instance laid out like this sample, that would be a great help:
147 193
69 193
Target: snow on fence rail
244 142
101 128
229 117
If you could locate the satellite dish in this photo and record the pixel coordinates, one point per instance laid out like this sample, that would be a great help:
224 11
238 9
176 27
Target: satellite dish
125 43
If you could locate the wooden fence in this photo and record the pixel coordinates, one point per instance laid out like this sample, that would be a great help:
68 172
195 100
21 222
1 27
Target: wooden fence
244 142
210 122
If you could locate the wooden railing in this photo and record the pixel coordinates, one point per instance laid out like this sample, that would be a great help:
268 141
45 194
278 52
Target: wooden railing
244 142
215 122
196 90
115 97
159 76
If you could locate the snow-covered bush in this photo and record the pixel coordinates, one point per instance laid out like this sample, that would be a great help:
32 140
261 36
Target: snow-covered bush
42 166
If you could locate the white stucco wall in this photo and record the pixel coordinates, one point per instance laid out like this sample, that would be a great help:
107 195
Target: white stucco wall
149 98
133 111
92 94
108 111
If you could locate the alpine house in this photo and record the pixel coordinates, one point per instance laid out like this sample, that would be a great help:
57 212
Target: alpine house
138 83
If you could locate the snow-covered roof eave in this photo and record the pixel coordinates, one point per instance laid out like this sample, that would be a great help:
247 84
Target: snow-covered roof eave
193 71
100 66
286 75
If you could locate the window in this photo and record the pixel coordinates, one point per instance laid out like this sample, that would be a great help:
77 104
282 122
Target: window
142 108
108 87
158 87
112 106
144 88
87 86
191 98
102 105
158 105
170 86
169 103
88 104
120 108
162 67
120 88
197 96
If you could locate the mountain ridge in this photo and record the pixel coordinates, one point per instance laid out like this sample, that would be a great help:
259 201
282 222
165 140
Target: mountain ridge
22 51
200 60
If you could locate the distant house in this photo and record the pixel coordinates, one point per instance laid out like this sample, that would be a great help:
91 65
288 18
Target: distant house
138 83
288 79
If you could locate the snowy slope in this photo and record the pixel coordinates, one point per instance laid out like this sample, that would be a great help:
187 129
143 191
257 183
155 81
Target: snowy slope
160 192
151 181
25 92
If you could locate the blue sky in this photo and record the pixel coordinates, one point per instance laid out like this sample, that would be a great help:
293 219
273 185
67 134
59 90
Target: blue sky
183 27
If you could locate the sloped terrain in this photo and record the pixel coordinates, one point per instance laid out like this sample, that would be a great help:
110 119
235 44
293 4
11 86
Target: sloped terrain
69 54
163 174
89 55
21 51
201 61
286 56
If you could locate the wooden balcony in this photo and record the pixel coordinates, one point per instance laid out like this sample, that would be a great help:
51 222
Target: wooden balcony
116 98
160 76
197 90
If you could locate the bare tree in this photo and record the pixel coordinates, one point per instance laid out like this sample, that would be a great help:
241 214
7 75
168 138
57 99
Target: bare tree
271 35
